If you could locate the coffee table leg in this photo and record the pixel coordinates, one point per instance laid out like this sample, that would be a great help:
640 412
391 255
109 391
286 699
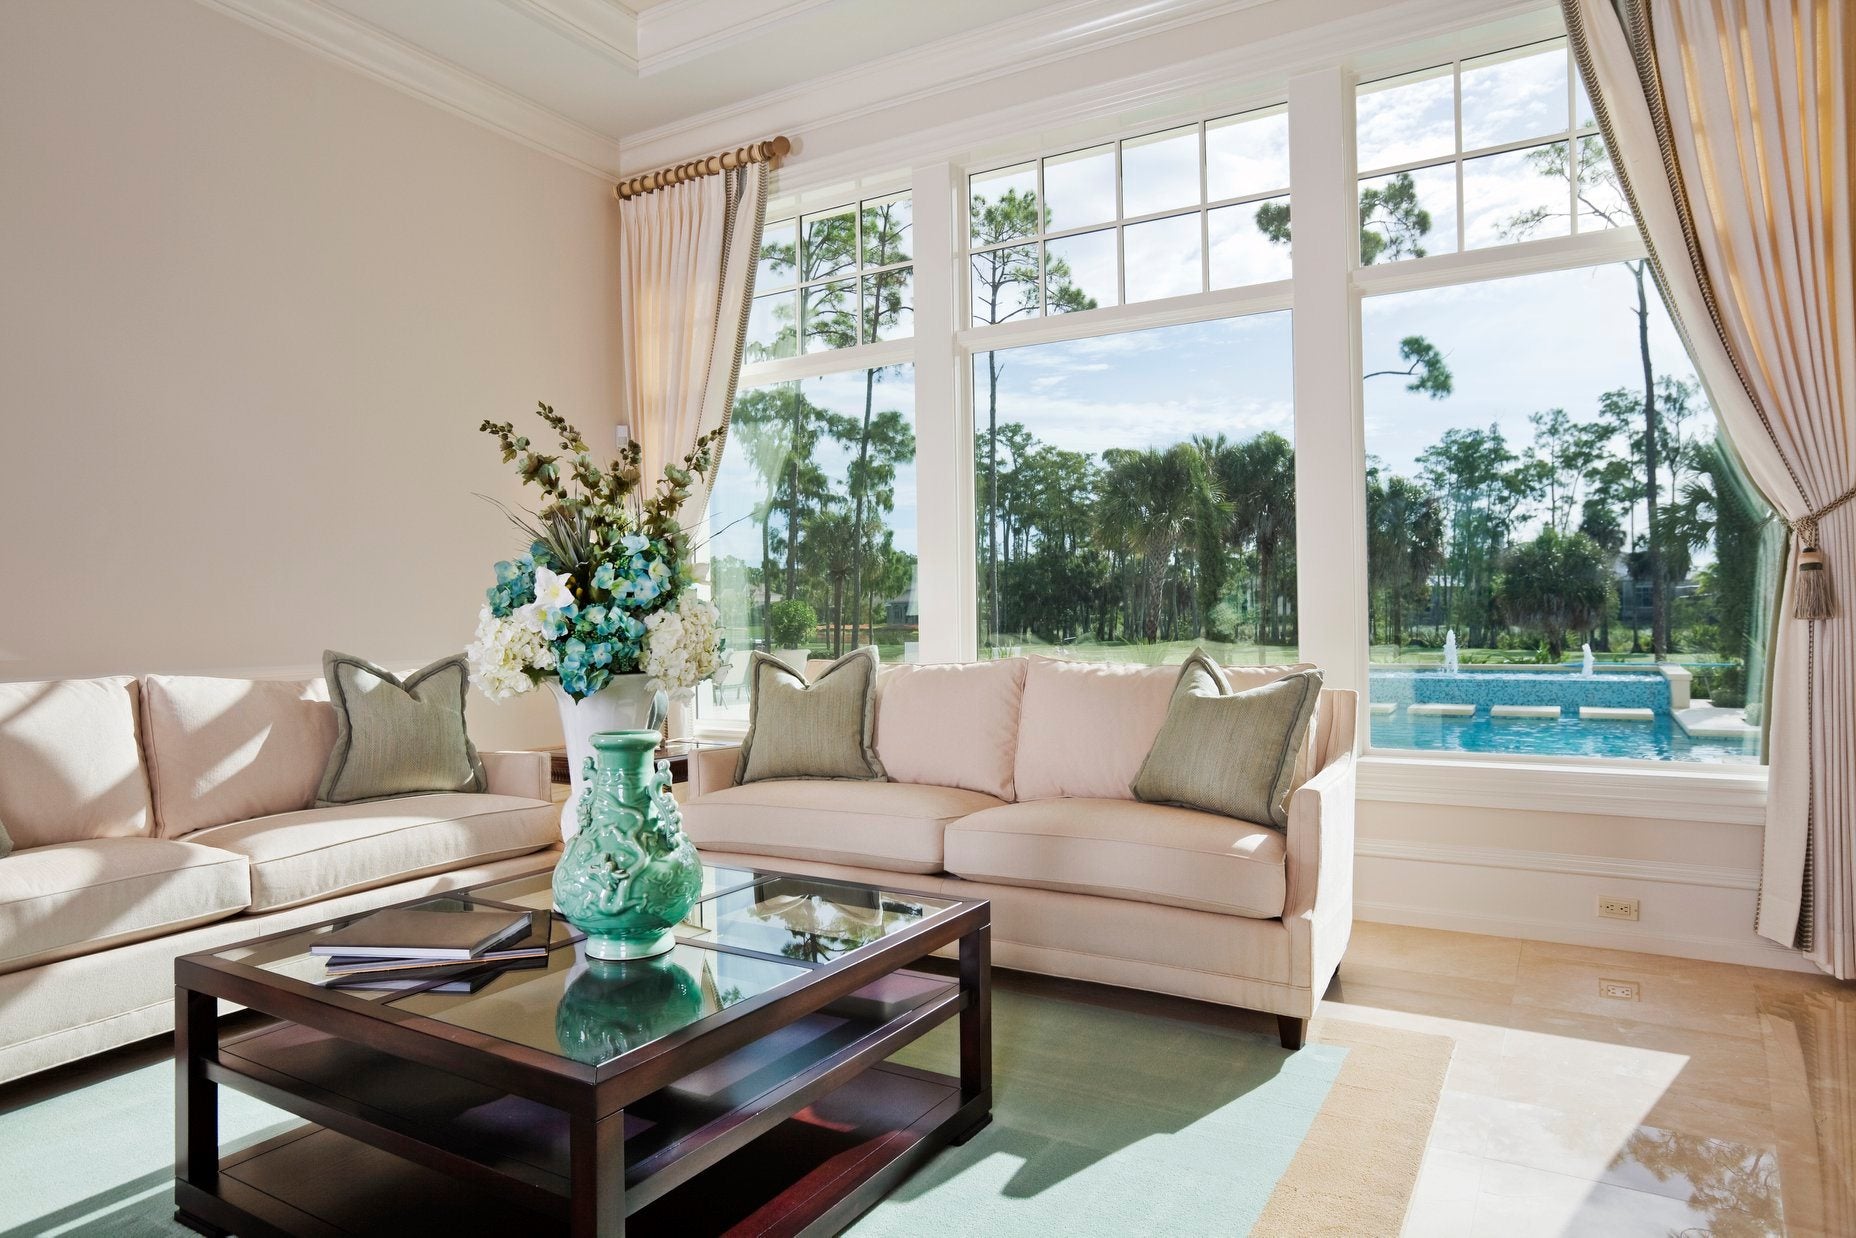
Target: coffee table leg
597 1184
976 1026
196 1099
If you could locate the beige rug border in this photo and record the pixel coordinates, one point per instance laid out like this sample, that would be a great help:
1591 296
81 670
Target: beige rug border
1358 1165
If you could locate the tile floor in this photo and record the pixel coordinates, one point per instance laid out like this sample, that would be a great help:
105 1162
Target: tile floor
1720 1100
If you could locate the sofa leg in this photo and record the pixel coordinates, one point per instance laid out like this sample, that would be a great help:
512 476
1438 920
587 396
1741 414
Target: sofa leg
1292 1030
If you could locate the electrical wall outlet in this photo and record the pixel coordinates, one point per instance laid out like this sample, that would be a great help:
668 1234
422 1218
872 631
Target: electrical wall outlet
1622 990
1613 907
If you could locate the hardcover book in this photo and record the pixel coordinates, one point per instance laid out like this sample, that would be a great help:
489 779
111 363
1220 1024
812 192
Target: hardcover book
425 933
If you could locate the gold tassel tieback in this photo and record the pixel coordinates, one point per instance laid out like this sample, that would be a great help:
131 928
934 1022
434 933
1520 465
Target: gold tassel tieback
1814 599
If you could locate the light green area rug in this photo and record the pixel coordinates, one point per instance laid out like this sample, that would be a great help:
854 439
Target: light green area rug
1105 1122
100 1159
1109 1122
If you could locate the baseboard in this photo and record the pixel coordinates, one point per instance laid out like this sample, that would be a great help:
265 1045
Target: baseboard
1689 911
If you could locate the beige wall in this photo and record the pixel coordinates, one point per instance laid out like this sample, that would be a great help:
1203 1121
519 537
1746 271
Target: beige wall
253 307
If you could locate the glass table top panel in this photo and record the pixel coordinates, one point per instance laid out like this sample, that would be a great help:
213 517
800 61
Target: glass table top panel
591 1011
804 920
537 889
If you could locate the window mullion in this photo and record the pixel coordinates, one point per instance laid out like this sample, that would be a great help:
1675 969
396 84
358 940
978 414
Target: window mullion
944 569
1330 459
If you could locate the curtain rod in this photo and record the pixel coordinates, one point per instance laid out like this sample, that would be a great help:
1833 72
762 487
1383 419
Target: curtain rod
753 152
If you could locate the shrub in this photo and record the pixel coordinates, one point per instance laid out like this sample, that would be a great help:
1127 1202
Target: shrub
1729 688
790 624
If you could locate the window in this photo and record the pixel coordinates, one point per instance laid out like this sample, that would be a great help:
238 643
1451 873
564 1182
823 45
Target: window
1168 214
1136 494
813 523
1511 504
1480 152
834 279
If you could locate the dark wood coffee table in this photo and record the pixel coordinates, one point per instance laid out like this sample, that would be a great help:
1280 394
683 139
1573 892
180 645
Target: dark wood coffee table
737 1084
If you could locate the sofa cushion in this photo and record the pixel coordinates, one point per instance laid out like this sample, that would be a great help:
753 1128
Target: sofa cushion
1085 727
79 897
889 825
222 750
395 736
300 856
823 726
1149 853
70 762
1226 752
953 725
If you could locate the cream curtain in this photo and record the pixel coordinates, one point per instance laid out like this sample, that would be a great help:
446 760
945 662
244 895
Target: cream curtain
686 275
1730 121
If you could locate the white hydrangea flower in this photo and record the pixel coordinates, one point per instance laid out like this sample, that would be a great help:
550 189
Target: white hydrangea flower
682 644
505 654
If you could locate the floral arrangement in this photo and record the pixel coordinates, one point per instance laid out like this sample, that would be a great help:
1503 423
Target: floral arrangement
605 587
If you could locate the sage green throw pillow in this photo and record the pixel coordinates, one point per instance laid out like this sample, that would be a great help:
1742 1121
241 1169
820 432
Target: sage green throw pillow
822 729
1232 753
397 737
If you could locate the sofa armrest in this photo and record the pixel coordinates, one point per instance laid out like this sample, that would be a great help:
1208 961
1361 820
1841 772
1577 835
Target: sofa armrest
713 769
1318 909
518 773
1320 852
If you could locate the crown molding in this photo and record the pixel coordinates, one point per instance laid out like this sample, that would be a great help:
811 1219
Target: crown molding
953 66
663 36
390 60
679 31
603 27
1240 74
946 65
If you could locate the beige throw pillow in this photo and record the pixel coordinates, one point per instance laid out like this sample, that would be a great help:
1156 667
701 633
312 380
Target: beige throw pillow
1232 753
397 737
821 729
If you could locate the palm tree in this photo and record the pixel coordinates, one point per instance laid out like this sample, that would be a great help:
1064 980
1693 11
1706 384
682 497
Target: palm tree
1257 479
1145 506
1558 582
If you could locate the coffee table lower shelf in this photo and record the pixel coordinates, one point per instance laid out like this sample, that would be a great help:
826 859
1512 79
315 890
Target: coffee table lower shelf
813 1173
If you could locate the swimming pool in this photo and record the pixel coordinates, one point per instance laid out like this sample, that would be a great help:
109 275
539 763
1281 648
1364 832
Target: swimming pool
1659 739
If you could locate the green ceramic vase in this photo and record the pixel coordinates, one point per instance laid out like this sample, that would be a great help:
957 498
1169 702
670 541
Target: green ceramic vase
630 875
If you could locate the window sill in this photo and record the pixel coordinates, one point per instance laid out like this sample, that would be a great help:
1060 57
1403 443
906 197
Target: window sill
1712 794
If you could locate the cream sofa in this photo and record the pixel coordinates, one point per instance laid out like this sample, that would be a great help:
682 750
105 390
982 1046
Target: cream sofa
157 817
1009 781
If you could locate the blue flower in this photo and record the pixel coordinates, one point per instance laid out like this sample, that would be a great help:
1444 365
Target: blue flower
507 572
602 653
603 576
634 542
554 623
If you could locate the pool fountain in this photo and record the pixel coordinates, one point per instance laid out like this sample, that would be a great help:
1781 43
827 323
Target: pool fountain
1585 659
1450 652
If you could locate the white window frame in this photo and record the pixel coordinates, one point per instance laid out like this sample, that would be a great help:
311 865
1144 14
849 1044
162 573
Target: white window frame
1460 157
1325 292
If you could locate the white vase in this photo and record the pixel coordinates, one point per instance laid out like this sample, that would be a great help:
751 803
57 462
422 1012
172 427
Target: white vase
624 704
796 659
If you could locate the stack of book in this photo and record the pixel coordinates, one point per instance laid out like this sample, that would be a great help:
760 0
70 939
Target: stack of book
440 949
